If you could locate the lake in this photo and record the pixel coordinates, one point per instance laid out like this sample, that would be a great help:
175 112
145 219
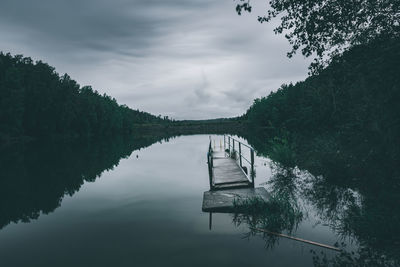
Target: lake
138 203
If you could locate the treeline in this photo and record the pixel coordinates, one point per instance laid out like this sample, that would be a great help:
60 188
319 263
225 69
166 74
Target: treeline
349 113
36 102
187 127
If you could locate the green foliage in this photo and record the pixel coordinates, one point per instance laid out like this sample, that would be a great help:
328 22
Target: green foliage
282 152
327 28
343 127
364 257
356 194
279 213
353 103
35 101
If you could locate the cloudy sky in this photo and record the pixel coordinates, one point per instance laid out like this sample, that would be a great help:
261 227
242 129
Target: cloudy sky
188 59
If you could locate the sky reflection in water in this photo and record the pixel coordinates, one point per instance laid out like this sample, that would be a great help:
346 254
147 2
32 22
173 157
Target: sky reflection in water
146 211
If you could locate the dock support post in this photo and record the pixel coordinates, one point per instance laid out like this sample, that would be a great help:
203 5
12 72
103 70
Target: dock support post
252 166
224 143
229 146
233 149
210 221
210 175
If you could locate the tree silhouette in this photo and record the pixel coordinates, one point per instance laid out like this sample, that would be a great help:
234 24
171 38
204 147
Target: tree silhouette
36 102
327 28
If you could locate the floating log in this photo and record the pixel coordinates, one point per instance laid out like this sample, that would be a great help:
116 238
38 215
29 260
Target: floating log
297 239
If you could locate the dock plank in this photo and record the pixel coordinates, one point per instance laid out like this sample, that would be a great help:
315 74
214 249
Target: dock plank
219 154
222 200
228 182
227 171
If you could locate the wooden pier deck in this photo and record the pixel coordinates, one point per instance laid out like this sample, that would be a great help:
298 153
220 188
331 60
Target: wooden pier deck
222 200
229 178
227 173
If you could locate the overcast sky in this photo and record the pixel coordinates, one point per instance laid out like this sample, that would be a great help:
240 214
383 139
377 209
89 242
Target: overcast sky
188 59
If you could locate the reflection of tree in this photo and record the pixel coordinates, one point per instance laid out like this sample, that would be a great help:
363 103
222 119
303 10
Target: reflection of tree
364 257
373 218
283 181
35 177
355 194
333 204
280 214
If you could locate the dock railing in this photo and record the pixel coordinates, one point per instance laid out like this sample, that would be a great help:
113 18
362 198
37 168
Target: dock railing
210 163
234 149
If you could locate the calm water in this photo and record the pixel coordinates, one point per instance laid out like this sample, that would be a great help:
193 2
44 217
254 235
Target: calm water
104 205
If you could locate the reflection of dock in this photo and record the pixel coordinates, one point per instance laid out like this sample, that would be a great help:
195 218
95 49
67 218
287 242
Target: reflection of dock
231 176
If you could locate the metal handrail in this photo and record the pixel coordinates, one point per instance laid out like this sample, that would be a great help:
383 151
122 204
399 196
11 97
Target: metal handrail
251 149
244 157
240 142
241 156
210 164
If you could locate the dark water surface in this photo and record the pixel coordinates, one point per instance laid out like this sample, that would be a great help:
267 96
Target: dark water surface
138 203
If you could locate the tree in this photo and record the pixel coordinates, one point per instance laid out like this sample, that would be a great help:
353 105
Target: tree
326 28
36 102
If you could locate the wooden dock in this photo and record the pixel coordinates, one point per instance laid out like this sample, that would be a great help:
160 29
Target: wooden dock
226 173
229 178
226 165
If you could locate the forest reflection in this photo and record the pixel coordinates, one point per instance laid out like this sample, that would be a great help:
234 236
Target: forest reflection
36 176
361 206
357 205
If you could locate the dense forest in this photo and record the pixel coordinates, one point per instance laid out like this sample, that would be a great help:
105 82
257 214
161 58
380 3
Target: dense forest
187 127
36 102
348 113
342 126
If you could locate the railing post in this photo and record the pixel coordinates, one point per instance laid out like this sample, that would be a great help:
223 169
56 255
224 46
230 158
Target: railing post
210 221
252 165
229 146
224 143
240 155
210 164
233 147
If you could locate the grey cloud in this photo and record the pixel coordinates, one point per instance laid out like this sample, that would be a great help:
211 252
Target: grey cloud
181 58
202 96
95 25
